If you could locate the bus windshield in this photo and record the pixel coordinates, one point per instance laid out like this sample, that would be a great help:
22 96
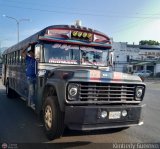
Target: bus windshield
74 54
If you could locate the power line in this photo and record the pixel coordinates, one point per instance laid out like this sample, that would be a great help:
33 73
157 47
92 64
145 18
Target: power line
39 4
77 13
22 2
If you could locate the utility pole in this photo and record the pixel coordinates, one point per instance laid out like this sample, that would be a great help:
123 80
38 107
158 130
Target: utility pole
17 22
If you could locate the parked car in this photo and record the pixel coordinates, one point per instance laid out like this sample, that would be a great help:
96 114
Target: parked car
158 74
143 73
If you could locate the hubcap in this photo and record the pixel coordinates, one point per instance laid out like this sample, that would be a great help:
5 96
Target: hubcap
48 117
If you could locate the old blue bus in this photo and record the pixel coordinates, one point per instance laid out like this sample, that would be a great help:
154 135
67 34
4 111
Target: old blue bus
74 86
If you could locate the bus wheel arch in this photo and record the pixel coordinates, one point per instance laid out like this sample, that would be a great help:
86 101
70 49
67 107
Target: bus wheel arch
53 118
10 92
50 90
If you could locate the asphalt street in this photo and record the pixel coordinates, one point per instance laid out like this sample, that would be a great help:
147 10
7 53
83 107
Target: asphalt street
20 124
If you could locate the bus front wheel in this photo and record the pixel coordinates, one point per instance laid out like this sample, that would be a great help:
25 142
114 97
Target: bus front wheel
53 118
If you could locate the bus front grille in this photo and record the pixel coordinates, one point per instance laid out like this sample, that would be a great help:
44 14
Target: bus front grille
107 92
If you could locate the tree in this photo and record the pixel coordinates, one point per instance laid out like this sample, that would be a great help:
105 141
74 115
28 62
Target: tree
149 42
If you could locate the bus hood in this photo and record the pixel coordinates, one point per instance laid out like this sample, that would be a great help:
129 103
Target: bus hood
96 75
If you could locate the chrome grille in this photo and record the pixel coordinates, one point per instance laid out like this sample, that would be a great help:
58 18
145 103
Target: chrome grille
106 92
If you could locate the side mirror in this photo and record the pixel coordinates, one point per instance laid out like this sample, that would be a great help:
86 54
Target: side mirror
111 57
37 52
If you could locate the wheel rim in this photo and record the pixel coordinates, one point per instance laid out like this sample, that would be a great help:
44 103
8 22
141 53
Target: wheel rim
48 117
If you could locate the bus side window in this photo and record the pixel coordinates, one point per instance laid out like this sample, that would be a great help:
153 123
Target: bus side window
17 56
5 59
9 59
22 60
14 58
20 57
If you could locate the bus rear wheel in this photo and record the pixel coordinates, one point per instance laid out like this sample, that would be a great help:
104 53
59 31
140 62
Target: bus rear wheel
10 92
53 118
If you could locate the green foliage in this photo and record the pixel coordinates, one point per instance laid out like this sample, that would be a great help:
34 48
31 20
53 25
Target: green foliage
149 42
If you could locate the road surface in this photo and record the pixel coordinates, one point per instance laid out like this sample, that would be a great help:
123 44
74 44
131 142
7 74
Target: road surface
20 124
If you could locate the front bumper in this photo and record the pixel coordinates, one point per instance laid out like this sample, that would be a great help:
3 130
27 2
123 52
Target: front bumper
89 117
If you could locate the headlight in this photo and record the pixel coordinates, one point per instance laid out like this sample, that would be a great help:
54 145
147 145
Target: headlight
73 91
139 92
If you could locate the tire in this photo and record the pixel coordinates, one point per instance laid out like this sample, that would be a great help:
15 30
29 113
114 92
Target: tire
121 128
10 92
53 118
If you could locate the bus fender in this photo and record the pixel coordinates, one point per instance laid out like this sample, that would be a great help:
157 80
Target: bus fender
52 90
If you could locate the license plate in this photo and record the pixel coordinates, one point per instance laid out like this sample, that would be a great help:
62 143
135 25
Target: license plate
114 115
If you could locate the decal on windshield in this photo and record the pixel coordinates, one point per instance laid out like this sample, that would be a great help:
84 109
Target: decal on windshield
60 61
65 46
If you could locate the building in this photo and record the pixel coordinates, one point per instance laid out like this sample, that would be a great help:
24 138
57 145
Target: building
130 57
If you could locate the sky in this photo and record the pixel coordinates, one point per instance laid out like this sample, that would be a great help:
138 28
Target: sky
124 20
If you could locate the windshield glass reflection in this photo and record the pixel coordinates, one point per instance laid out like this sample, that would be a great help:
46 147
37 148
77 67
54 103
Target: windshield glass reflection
75 55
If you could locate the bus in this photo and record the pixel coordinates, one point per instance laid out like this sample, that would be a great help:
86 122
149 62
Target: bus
76 87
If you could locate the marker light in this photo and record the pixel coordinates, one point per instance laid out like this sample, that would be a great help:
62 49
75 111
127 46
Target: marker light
74 33
84 34
104 114
124 113
79 34
89 35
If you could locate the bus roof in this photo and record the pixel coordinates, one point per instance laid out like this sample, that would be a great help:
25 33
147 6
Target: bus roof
35 37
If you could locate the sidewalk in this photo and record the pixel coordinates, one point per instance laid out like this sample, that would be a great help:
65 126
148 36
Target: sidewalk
153 79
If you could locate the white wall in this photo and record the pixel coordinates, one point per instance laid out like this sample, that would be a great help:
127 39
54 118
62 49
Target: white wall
157 68
122 50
